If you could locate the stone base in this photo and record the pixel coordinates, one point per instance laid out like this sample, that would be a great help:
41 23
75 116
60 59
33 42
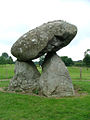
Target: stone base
26 77
55 80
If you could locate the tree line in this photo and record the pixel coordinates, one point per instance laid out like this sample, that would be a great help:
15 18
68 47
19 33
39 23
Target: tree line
80 63
6 59
69 62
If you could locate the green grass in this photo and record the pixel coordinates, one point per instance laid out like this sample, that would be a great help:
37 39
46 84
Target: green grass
39 69
15 106
6 71
82 86
4 83
75 73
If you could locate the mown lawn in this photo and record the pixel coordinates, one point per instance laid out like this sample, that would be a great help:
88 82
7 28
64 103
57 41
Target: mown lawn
75 73
82 86
6 71
16 106
4 83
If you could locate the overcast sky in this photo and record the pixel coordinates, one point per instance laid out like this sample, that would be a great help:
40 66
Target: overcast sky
19 16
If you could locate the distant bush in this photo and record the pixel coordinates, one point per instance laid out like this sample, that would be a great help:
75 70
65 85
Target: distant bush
6 59
67 61
79 63
36 63
86 60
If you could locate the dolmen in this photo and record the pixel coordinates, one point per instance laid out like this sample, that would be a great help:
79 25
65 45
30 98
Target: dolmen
54 81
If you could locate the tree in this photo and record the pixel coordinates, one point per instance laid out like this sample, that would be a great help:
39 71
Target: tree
2 60
6 59
67 61
5 55
87 52
41 59
86 60
10 60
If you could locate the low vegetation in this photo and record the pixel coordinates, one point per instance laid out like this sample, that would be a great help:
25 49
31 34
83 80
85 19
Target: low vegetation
4 84
7 72
17 106
75 73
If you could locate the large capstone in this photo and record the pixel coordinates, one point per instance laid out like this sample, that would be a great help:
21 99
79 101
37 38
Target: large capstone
55 80
26 77
48 37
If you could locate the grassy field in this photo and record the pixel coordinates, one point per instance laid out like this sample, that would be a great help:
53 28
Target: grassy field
4 83
7 72
16 106
75 73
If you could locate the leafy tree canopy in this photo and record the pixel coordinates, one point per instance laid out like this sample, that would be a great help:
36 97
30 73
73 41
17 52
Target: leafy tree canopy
5 55
41 60
86 60
67 61
6 59
87 52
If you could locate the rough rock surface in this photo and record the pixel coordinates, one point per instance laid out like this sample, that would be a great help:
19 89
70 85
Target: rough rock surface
55 80
26 77
48 37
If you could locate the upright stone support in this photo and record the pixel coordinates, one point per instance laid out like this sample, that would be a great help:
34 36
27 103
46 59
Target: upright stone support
55 80
26 77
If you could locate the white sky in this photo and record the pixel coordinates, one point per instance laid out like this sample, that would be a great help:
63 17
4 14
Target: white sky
19 16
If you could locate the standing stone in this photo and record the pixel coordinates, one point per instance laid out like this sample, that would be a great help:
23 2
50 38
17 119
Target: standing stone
26 77
55 80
